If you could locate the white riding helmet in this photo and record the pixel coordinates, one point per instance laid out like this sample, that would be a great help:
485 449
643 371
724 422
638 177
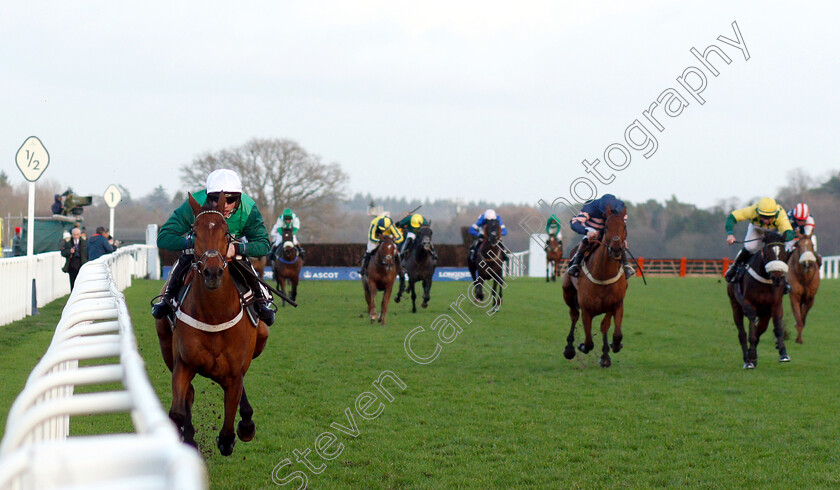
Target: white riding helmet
223 180
489 214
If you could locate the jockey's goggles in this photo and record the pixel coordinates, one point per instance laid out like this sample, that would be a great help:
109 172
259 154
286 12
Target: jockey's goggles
231 198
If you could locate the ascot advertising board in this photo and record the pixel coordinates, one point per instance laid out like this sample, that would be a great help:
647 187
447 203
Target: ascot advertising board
352 274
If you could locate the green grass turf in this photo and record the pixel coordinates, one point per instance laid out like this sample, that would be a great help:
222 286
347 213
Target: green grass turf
500 406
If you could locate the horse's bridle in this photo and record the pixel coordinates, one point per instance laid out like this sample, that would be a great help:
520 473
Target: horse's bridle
201 263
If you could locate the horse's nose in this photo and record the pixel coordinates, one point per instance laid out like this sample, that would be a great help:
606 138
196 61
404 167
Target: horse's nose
212 276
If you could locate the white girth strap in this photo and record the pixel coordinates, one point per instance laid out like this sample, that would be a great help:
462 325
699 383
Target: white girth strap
206 327
598 281
758 278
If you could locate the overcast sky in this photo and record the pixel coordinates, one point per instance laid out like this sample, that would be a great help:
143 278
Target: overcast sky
440 99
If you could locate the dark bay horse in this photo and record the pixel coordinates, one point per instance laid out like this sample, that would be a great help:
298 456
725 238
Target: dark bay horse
758 296
489 263
600 288
420 267
380 275
211 335
553 258
287 265
804 279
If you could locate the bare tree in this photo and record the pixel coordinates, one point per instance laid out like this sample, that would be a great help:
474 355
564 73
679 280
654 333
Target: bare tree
276 173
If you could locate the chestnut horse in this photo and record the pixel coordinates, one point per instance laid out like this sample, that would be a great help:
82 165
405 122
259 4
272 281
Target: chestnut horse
287 265
420 267
380 275
553 258
804 279
757 294
489 263
600 289
211 335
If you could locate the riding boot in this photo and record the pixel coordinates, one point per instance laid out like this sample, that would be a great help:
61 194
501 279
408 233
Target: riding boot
365 262
787 286
740 259
272 254
574 263
628 269
301 251
262 298
167 304
432 251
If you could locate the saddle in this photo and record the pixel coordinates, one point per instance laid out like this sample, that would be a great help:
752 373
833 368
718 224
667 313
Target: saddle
246 296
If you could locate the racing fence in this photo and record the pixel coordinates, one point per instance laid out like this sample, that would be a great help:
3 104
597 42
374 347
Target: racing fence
94 346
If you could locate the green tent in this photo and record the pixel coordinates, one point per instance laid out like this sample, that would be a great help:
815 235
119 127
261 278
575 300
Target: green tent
48 232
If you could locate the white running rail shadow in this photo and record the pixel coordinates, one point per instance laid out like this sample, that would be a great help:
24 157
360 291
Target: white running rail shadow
38 452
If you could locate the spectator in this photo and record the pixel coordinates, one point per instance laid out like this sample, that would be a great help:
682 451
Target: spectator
75 252
100 244
18 243
57 207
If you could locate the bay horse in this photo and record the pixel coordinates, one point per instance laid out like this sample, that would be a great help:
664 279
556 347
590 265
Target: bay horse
489 263
757 294
211 335
553 258
804 279
420 267
600 289
287 265
380 275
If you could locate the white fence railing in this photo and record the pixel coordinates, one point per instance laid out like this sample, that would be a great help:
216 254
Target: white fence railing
51 283
15 290
37 450
830 267
517 264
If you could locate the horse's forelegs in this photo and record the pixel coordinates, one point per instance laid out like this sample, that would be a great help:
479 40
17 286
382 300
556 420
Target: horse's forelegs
386 297
757 327
179 411
605 350
618 317
569 351
796 308
401 289
294 281
411 286
427 292
588 344
779 331
806 307
233 396
370 297
547 273
246 429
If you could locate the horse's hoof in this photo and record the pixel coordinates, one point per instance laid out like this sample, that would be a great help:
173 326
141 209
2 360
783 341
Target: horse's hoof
225 449
569 352
749 365
397 299
798 340
426 305
784 358
246 430
582 348
605 362
616 347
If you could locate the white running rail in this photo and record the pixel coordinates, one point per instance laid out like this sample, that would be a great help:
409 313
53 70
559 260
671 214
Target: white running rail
517 264
830 267
37 451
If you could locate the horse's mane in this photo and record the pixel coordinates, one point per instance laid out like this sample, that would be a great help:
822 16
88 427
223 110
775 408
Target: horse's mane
773 237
